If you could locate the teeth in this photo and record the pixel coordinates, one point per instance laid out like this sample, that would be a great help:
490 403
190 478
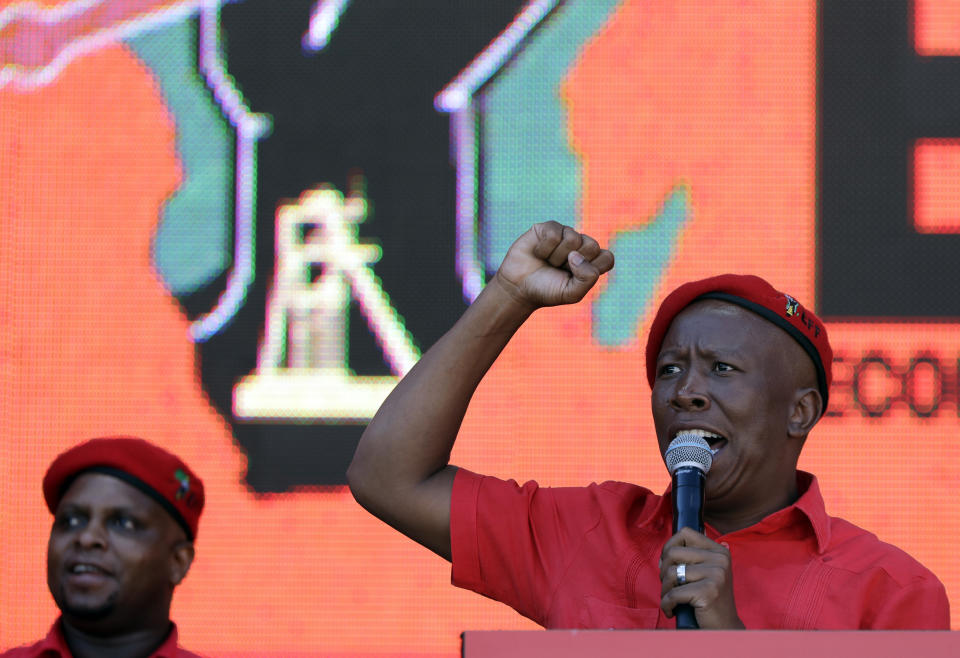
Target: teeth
701 433
85 568
704 434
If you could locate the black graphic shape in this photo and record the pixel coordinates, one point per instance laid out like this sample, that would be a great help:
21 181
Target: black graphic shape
363 104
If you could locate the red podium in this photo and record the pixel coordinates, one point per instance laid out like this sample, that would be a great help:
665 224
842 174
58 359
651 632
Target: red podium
742 644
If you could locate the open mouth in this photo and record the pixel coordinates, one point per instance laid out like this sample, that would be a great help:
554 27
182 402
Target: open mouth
716 441
86 569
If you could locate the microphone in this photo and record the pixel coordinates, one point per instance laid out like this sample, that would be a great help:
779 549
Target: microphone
688 459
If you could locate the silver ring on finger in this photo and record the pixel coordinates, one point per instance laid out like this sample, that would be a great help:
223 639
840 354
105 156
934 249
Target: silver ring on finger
681 574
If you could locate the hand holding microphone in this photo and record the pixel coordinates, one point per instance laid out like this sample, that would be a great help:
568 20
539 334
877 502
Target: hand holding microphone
695 572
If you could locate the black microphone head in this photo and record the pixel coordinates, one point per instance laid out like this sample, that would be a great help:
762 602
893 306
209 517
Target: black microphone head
688 449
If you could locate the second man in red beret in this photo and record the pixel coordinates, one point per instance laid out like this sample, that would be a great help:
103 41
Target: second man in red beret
126 514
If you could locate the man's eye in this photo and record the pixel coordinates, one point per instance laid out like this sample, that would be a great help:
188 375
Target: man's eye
126 523
669 369
70 521
723 367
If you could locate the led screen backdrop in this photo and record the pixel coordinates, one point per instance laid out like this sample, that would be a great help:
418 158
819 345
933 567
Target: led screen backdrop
230 227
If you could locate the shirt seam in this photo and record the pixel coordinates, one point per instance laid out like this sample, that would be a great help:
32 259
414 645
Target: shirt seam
806 596
570 560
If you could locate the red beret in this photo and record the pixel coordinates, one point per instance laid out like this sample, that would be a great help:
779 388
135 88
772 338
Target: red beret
151 469
755 294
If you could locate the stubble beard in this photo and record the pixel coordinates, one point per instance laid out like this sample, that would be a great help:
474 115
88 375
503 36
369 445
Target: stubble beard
86 612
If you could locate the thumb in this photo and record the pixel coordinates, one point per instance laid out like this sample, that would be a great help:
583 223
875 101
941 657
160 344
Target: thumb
585 275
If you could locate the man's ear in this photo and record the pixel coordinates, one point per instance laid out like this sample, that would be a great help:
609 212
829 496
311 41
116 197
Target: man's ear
805 412
181 557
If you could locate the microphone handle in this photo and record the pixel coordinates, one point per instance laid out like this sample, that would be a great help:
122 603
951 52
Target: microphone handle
688 485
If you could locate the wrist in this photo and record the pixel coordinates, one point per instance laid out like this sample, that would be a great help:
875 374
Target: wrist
504 299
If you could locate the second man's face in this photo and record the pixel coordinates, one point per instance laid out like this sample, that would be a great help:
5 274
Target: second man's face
111 558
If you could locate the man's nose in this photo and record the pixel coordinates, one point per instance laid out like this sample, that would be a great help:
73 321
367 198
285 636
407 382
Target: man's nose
93 535
690 394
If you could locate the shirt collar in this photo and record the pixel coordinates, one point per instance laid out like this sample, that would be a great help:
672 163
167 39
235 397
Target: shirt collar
809 504
57 643
54 642
169 647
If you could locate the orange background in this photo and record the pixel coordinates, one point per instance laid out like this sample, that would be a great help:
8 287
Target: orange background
717 94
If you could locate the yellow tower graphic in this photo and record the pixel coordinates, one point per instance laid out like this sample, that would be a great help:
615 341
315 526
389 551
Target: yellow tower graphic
320 265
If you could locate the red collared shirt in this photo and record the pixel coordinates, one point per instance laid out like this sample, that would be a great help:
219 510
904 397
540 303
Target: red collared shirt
54 645
588 558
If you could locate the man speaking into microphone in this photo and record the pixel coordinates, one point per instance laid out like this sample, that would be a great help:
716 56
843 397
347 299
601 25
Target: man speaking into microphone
739 371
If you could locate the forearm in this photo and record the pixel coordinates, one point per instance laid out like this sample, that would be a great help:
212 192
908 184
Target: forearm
408 442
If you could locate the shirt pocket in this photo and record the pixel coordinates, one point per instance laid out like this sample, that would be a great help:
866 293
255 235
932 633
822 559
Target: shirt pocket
603 615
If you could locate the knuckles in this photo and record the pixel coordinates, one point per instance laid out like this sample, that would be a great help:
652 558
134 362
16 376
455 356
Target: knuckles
571 239
552 235
551 232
